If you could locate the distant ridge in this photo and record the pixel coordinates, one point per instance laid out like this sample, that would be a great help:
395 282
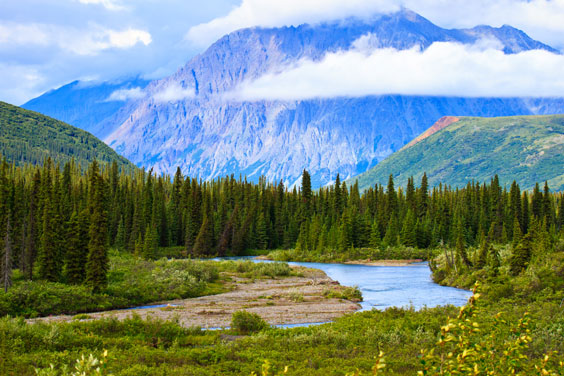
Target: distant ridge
29 137
527 149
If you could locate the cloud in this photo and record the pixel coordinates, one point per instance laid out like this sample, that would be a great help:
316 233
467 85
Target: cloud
173 92
18 82
69 40
542 19
443 69
275 13
126 94
108 4
80 42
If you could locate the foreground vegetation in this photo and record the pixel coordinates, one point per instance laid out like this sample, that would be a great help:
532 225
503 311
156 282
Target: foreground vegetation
475 338
132 281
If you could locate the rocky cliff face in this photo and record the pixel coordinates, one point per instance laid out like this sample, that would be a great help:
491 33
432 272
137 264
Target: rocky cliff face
185 120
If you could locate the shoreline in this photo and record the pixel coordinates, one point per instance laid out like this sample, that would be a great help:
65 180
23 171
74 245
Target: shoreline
367 262
279 301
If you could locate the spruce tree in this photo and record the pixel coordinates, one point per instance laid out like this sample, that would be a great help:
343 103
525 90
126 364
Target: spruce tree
48 253
521 256
408 231
97 260
204 241
375 238
423 196
77 251
6 261
392 232
483 252
261 233
306 195
150 243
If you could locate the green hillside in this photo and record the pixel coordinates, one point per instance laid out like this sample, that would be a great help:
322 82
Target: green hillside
527 149
29 137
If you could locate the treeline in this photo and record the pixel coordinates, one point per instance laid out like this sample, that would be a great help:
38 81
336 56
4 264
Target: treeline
58 222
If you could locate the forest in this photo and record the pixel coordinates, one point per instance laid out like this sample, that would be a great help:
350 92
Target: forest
57 222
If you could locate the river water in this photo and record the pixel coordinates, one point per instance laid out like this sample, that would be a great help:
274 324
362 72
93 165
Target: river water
389 286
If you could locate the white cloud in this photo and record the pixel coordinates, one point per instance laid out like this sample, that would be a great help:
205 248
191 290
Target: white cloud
126 94
445 69
17 82
542 19
274 13
127 38
108 4
81 42
173 92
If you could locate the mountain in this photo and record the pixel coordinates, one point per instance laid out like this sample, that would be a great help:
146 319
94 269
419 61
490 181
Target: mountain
186 119
29 137
88 105
527 149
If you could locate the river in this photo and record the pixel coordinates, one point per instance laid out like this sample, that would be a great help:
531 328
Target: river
389 286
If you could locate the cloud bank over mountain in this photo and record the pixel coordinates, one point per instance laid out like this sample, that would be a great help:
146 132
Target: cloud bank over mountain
444 69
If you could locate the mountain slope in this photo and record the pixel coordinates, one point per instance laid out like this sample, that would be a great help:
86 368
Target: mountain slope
87 105
29 137
186 120
527 149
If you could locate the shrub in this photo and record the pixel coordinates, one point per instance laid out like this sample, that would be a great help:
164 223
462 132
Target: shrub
348 293
247 322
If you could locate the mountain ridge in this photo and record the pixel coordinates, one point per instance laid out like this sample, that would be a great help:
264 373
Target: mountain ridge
527 149
30 137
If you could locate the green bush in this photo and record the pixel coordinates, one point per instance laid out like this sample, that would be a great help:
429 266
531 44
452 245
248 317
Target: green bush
348 293
247 322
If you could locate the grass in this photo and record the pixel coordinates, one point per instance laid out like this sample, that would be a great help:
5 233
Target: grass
132 282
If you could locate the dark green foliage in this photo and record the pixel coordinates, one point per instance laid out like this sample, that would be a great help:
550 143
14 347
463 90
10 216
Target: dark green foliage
77 250
247 322
521 255
97 260
29 137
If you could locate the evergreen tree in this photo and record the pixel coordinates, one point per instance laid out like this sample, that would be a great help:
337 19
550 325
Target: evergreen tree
483 253
375 238
392 198
97 260
537 203
392 233
422 196
517 235
77 251
521 256
408 231
150 243
204 241
6 261
306 195
48 256
261 233
461 242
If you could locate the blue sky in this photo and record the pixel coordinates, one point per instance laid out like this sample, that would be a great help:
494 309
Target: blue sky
47 43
